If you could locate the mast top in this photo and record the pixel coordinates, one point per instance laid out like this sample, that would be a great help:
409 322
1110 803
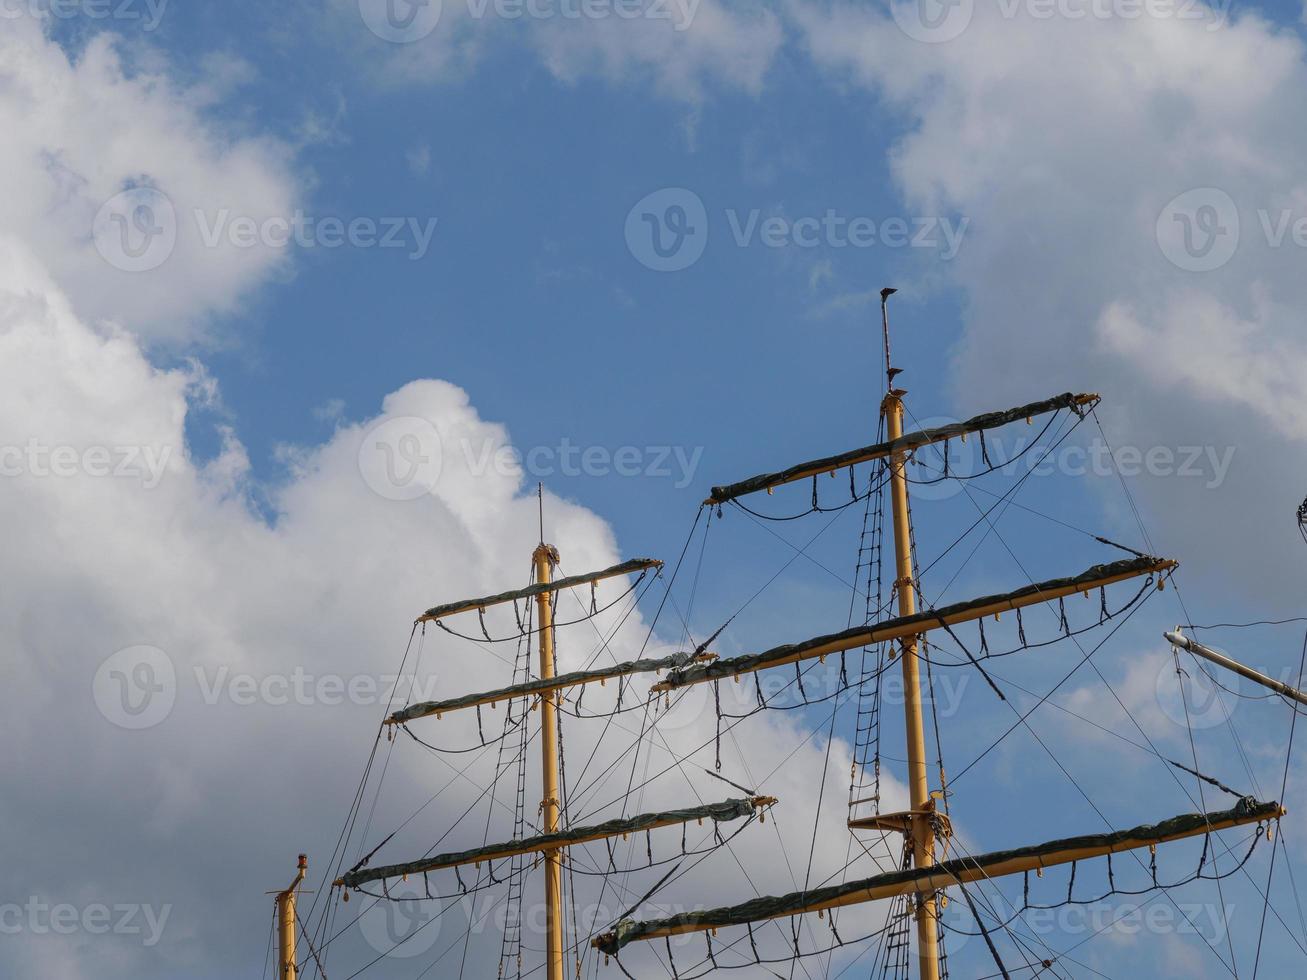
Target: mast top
890 370
540 504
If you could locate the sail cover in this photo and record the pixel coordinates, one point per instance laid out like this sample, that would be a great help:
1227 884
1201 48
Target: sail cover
1246 811
916 623
625 568
423 709
718 812
909 440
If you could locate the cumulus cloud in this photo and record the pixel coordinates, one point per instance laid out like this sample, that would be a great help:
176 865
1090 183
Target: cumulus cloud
679 47
115 177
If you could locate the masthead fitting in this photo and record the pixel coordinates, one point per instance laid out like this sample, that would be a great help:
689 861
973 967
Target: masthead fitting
540 503
890 371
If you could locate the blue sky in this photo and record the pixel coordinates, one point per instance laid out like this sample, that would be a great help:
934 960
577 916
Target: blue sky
1053 149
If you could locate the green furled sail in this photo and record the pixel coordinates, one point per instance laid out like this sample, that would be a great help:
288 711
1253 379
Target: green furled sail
717 812
909 440
925 879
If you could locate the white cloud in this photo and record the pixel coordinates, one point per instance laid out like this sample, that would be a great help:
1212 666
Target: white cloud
730 44
419 160
679 48
79 131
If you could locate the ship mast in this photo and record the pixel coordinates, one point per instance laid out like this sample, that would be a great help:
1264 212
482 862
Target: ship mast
287 963
545 557
922 814
546 691
922 825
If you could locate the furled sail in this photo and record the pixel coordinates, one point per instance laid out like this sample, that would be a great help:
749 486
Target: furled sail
717 812
467 605
929 879
424 709
908 441
891 629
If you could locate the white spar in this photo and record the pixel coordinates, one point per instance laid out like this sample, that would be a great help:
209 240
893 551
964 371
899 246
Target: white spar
1207 653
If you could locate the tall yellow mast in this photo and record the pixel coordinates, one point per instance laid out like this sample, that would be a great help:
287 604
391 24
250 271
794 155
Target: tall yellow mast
545 557
287 968
553 841
921 817
922 813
